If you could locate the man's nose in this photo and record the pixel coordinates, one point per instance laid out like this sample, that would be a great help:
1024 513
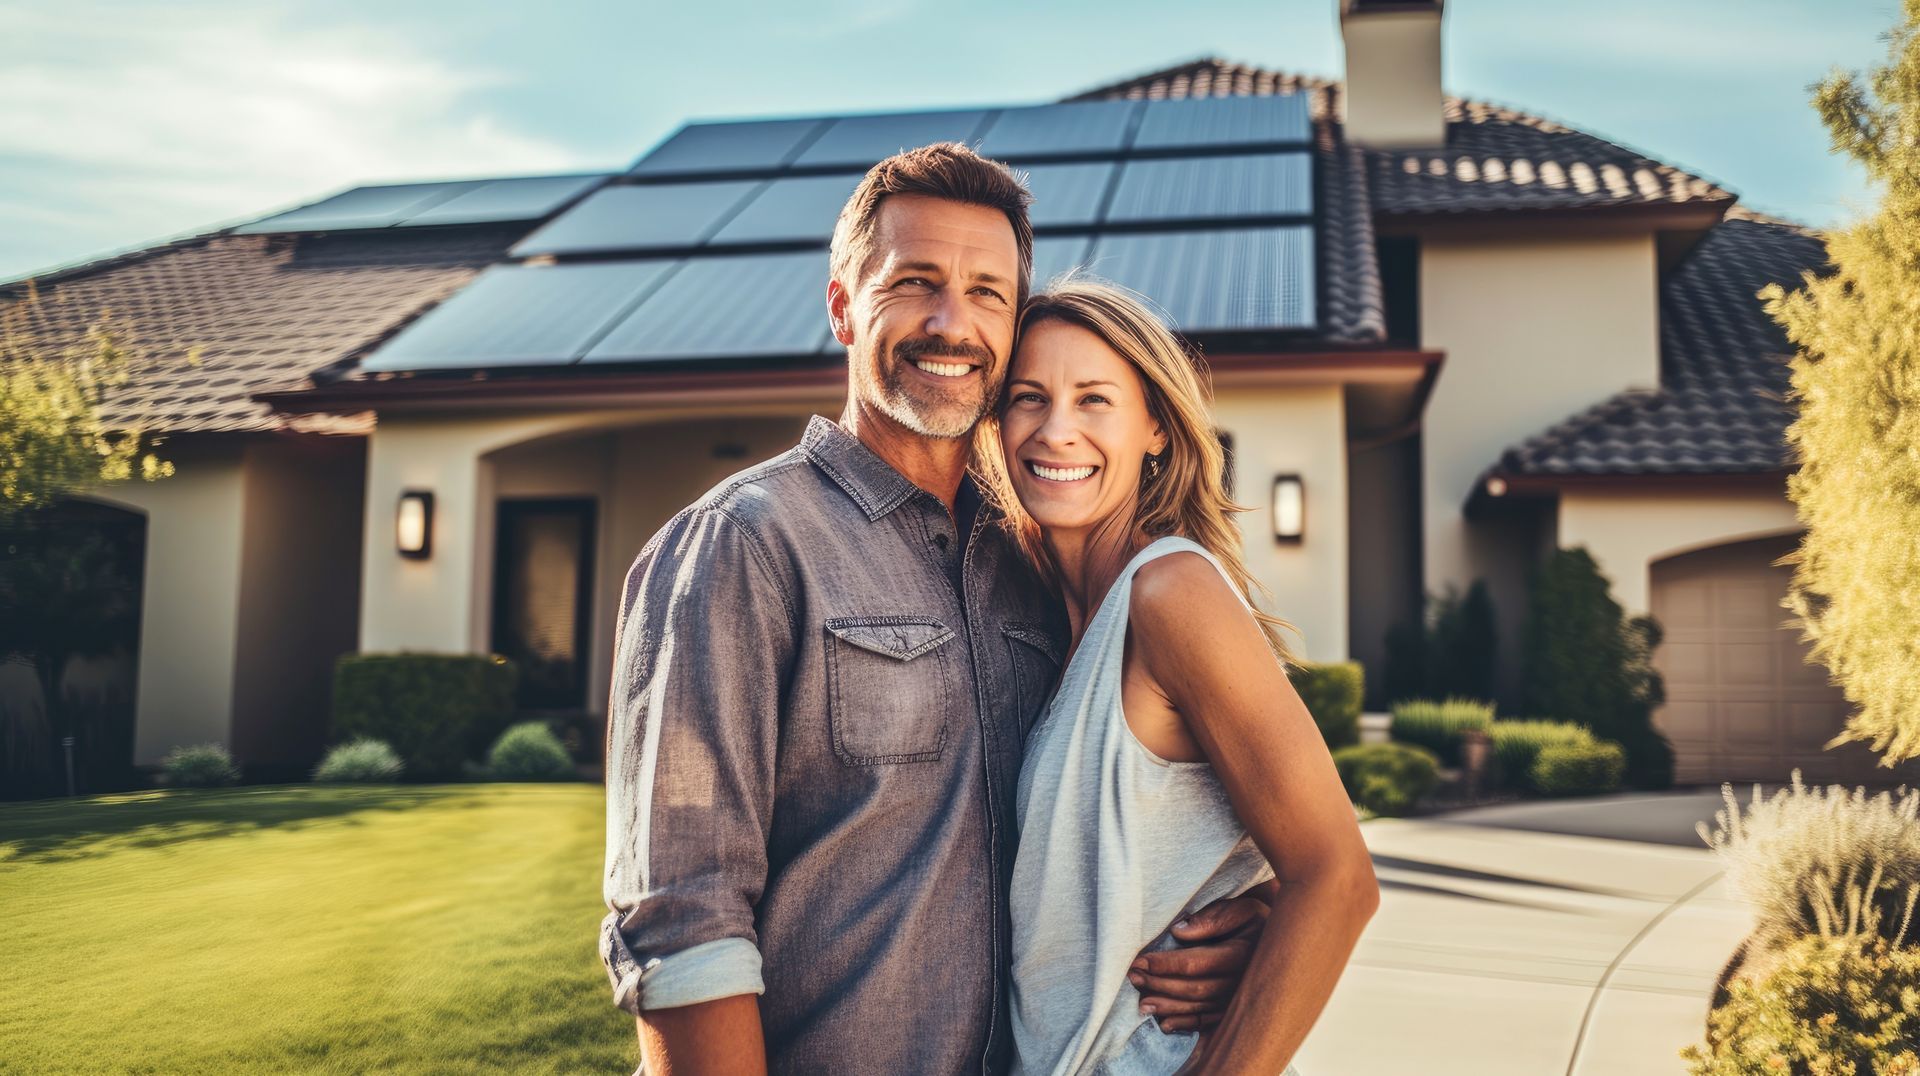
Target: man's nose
947 319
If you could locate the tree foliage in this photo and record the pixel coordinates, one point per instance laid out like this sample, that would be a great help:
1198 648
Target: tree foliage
1856 382
54 440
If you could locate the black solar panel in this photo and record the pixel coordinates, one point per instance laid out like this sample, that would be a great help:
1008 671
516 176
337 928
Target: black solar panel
1054 255
1218 121
639 217
748 306
515 315
1077 127
1193 188
1218 281
506 200
362 207
792 208
862 140
727 147
1067 195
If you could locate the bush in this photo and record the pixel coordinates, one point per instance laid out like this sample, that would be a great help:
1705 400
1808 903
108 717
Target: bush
362 761
1813 860
1332 693
530 752
1449 652
436 710
1515 745
1437 726
1386 778
1578 769
1587 663
1838 1005
206 765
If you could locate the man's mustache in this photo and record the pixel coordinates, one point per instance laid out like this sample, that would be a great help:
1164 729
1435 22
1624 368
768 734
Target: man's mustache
930 348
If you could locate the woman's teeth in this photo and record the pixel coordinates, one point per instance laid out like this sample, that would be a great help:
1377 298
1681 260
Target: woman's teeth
1061 474
945 369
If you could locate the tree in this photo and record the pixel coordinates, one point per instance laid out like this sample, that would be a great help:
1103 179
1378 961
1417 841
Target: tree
1588 663
53 440
1448 653
1856 383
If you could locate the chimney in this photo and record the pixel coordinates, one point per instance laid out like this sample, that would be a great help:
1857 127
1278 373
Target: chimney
1393 97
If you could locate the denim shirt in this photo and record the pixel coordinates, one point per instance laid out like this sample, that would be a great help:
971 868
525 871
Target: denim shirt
820 694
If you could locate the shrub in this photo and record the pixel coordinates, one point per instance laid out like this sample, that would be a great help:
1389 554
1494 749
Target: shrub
1587 663
1814 860
1449 652
436 710
1578 769
1830 1005
1437 726
206 765
362 761
1515 745
1386 778
1332 693
529 752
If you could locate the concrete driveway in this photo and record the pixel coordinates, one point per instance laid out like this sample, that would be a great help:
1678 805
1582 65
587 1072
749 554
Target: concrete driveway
1573 938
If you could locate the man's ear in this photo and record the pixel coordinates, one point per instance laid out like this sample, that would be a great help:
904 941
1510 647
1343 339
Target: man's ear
838 300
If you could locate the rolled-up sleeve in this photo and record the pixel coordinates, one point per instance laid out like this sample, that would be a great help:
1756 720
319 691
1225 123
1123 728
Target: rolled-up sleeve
702 655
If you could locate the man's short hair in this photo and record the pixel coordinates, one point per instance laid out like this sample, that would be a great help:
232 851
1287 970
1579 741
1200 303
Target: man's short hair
946 170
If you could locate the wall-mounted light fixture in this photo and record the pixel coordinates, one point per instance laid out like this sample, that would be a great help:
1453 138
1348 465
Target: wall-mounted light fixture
1289 508
413 524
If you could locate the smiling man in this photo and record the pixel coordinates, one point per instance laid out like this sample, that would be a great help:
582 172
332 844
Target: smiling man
824 675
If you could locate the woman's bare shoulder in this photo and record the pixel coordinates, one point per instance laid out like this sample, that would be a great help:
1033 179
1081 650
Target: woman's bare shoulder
1182 589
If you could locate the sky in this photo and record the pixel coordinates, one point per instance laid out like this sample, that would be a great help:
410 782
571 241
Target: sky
127 123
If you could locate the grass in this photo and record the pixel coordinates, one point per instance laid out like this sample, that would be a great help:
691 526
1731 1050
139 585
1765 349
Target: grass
419 929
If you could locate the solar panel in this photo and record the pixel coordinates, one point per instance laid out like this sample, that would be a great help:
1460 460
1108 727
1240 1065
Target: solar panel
361 207
790 209
1218 121
1190 188
750 306
863 140
727 147
1053 255
505 200
636 217
1218 281
1077 127
1067 195
517 315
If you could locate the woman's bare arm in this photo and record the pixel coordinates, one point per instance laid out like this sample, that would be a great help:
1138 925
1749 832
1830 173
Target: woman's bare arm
1207 656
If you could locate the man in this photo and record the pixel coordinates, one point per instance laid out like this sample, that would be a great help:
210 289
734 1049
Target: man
825 672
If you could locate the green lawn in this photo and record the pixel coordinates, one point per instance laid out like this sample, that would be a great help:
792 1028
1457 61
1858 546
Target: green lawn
435 928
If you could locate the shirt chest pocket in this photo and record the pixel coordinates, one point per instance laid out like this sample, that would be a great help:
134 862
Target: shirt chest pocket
888 684
1036 665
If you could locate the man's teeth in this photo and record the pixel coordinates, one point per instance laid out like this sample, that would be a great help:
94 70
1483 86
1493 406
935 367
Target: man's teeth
1061 474
944 369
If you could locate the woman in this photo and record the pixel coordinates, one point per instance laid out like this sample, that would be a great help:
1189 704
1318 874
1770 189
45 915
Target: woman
1175 762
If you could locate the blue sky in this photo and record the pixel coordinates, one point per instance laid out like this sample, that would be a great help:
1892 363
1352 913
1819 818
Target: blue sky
128 122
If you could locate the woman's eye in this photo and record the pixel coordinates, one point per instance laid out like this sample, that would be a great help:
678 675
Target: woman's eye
1028 397
1094 398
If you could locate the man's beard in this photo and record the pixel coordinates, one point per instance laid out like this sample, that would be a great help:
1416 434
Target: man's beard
947 417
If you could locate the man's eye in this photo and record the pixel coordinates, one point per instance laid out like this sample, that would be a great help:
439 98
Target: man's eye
991 294
912 282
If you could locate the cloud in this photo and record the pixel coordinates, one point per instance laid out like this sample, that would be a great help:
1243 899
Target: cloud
123 122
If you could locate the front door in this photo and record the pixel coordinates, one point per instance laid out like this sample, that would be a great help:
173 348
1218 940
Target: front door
543 580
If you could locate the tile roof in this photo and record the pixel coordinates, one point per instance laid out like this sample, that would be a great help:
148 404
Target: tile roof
1721 407
264 312
1496 159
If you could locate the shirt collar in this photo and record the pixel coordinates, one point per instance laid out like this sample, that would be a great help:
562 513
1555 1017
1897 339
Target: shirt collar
871 481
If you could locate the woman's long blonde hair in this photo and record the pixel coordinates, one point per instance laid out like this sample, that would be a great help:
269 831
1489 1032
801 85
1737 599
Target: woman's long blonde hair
1188 497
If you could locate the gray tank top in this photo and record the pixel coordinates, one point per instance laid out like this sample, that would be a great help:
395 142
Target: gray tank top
1116 845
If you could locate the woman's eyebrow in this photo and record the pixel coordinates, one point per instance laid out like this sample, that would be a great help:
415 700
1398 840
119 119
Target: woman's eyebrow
1090 384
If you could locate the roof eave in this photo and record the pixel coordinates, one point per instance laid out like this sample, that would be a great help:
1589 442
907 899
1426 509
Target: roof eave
1517 486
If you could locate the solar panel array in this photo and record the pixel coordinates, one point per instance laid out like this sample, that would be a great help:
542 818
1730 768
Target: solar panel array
401 205
713 245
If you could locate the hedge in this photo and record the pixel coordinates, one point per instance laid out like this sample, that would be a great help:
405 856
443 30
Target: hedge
1386 778
436 710
1578 769
1437 726
1332 692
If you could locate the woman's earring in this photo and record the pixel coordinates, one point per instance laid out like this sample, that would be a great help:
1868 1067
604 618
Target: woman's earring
1153 468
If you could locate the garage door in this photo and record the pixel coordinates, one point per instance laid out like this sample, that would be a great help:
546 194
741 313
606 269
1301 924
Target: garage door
1743 703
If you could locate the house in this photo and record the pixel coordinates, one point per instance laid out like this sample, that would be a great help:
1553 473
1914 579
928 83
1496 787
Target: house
1446 338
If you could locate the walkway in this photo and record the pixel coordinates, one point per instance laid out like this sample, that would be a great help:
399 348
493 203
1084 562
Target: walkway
1503 948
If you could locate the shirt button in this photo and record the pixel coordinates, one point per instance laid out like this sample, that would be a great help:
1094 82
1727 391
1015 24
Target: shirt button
940 540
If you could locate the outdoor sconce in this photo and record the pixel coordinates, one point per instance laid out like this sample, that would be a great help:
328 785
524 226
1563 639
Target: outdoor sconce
1289 508
413 526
